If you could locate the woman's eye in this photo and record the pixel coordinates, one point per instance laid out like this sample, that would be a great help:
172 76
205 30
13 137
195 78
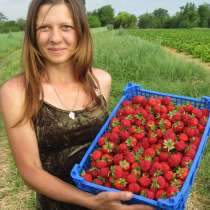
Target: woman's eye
44 28
66 27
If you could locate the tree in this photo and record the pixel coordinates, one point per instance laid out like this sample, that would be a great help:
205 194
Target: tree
106 15
94 21
146 21
188 16
3 17
204 14
160 17
21 22
125 20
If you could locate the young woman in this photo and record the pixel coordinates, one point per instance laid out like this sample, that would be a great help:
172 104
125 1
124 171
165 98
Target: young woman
57 106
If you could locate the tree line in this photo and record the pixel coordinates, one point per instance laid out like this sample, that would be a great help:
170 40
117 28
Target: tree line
187 17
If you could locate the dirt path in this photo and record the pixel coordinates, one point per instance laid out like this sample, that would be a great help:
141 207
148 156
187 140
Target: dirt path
188 58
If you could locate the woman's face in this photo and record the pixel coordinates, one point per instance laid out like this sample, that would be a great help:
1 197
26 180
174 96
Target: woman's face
56 35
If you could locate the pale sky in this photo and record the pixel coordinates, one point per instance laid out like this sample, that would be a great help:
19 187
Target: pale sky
14 9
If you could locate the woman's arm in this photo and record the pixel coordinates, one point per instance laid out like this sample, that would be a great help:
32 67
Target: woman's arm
25 151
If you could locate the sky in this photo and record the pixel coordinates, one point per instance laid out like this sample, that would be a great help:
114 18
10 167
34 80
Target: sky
14 9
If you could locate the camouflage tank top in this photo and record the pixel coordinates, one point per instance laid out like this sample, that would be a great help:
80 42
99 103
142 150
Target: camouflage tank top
62 142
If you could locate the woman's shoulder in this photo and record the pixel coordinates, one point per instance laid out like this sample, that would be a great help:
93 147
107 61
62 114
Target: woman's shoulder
103 77
11 90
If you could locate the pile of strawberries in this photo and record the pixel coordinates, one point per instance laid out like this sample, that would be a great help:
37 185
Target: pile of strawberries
148 148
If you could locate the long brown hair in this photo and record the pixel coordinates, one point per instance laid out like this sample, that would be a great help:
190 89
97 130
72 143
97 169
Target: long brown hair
33 62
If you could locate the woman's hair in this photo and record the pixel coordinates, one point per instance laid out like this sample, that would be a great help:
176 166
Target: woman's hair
34 65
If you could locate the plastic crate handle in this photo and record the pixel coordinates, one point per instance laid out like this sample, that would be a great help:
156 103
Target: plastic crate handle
130 85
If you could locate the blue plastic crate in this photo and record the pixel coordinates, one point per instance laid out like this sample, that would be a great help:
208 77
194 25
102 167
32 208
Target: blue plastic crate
177 202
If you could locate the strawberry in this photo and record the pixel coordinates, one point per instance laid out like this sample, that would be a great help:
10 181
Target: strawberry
144 181
88 177
131 178
102 141
120 184
180 146
145 165
117 158
150 194
104 172
183 137
124 135
169 175
149 152
101 164
96 155
116 171
174 159
160 194
163 156
138 100
158 183
171 191
186 161
134 187
131 142
124 164
114 137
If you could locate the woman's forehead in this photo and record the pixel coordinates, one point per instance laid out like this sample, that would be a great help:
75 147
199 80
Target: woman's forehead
51 14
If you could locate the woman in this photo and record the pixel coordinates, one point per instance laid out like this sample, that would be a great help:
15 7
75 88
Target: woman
57 106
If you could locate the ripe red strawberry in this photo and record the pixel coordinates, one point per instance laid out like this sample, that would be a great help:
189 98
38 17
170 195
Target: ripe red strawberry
104 172
145 165
182 173
117 158
165 166
174 159
186 161
197 112
108 147
160 194
101 164
156 169
124 164
169 175
180 146
149 152
190 153
150 194
124 135
158 183
102 141
120 184
116 171
166 100
131 142
88 177
178 126
98 181
163 156
131 178
193 121
144 181
183 137
134 187
115 122
138 100
171 191
122 147
96 155
126 123
114 137
126 103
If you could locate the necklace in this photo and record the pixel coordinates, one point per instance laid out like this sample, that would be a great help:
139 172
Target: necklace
71 112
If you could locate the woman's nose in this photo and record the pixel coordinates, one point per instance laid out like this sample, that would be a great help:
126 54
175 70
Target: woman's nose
55 36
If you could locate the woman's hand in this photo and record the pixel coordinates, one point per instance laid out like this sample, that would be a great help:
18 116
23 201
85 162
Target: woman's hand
111 201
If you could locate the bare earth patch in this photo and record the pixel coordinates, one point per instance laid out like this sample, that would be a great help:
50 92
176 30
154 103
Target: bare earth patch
188 58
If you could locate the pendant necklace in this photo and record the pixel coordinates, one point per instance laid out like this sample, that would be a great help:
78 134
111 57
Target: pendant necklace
71 112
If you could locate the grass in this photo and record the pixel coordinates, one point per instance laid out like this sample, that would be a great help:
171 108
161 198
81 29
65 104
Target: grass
127 59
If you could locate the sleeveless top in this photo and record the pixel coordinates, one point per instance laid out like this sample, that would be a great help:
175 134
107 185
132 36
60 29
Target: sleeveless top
62 142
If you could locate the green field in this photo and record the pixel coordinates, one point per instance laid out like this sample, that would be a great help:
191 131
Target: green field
128 59
195 42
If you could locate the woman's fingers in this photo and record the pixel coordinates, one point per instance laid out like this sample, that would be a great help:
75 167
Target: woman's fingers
116 196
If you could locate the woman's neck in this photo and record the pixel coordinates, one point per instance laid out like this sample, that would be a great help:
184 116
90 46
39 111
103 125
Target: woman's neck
60 74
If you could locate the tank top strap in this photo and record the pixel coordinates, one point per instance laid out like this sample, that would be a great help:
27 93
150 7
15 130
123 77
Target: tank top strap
97 89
